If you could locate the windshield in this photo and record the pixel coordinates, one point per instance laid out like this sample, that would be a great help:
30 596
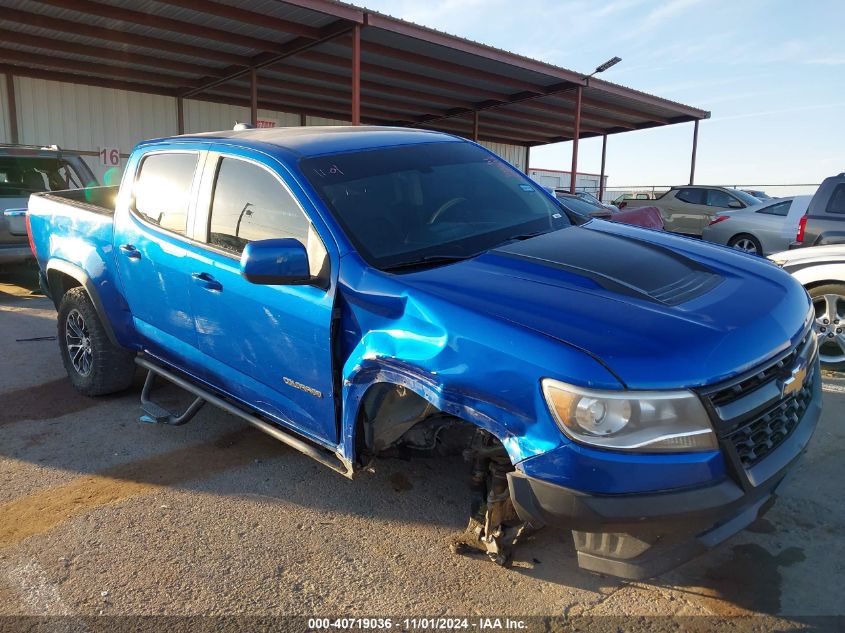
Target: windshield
747 199
23 175
432 202
578 205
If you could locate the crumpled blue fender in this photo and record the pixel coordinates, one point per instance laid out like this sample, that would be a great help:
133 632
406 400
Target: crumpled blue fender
473 366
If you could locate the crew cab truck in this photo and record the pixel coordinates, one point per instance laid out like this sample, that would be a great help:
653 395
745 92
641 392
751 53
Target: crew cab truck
360 291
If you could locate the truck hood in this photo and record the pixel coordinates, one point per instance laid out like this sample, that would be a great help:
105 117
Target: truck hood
659 311
808 254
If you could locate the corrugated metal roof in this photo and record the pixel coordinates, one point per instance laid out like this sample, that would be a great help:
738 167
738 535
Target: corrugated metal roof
411 75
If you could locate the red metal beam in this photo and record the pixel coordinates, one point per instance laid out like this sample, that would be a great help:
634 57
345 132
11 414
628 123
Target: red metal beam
253 93
109 70
104 82
247 17
574 172
180 115
294 88
294 47
102 53
356 75
368 68
120 37
14 136
603 157
694 151
161 23
448 66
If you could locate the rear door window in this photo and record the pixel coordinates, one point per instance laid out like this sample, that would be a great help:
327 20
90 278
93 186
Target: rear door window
251 204
692 196
163 189
718 198
836 204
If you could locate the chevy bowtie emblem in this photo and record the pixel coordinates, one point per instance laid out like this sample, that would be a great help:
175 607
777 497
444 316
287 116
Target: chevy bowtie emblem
795 382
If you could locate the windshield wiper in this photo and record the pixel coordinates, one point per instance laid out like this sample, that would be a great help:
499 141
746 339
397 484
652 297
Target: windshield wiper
429 260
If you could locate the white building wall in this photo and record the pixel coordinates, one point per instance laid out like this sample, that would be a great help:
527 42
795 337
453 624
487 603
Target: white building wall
89 118
561 179
205 116
5 127
514 154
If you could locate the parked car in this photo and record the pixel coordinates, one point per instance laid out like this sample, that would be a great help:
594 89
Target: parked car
760 195
689 209
586 195
762 229
28 169
585 207
620 200
821 269
824 222
353 290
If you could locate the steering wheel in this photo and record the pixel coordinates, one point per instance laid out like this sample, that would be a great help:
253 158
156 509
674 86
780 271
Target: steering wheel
443 208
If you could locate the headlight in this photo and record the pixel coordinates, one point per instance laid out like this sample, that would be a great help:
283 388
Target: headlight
644 421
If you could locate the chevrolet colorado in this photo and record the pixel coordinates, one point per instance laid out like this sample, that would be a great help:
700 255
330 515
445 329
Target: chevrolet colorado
355 292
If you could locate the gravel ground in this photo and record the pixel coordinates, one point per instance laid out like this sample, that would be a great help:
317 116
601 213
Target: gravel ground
100 515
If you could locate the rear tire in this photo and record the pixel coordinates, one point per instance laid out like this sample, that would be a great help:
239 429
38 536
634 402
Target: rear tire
829 302
746 243
94 364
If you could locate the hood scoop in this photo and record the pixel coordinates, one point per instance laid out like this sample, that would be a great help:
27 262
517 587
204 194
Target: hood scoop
618 264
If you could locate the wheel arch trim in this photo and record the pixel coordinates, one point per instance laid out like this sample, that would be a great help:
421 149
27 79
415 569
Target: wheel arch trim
73 271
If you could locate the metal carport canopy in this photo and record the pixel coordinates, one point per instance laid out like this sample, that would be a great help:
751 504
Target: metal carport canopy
320 58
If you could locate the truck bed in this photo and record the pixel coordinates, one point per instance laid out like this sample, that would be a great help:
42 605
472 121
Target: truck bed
99 200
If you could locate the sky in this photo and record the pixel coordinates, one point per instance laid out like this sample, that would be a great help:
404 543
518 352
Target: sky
771 72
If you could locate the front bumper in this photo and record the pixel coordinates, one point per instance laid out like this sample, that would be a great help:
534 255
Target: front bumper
642 535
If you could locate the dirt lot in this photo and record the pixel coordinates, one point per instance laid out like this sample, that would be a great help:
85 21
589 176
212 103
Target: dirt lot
102 515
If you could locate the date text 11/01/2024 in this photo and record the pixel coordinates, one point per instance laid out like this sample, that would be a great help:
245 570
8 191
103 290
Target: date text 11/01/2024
408 624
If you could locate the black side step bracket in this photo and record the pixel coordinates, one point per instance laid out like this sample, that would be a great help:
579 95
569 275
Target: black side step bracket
155 413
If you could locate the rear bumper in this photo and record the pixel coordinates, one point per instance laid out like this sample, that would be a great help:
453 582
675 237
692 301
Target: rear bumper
642 535
14 254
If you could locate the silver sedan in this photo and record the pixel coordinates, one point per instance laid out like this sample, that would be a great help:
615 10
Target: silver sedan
761 229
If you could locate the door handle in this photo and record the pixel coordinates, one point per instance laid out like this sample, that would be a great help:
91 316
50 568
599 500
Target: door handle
130 251
206 281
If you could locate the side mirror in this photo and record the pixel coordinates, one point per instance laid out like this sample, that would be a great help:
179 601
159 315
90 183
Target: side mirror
736 204
276 262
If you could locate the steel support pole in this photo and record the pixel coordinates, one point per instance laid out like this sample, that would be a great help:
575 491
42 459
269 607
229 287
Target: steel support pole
694 150
14 135
576 135
527 159
475 118
356 75
253 99
180 115
603 157
303 119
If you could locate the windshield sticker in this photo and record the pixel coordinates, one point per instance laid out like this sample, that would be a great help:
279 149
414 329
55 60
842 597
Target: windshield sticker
527 188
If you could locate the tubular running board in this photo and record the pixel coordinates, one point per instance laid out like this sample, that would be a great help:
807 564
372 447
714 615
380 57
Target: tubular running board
157 414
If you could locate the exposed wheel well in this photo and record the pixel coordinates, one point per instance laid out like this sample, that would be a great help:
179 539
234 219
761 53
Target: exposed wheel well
393 418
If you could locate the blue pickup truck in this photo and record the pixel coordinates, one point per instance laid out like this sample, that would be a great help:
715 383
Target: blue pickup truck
358 292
